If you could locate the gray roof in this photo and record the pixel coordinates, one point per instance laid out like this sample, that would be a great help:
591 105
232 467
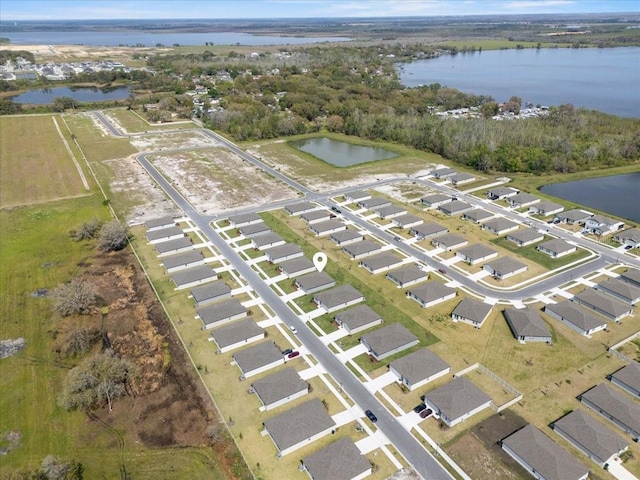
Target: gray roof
375 202
315 215
591 434
357 317
171 245
296 265
389 210
221 311
544 455
195 274
574 215
164 233
159 222
620 288
575 314
523 198
314 280
616 404
603 220
525 235
478 214
632 275
557 245
629 375
436 198
499 224
256 356
267 239
419 365
182 259
274 253
236 332
381 260
300 207
357 195
477 251
456 398
500 191
442 171
279 385
450 240
603 302
455 207
388 338
428 229
548 206
407 219
408 273
505 265
527 322
255 229
632 234
338 295
243 218
210 290
346 235
430 291
341 460
472 309
458 177
298 423
326 226
363 247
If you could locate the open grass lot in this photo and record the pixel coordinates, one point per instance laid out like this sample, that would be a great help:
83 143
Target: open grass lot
132 122
37 171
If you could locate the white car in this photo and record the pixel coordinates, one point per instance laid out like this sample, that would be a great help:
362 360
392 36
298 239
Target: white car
293 329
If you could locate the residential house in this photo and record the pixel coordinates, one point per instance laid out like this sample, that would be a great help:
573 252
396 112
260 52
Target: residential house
221 313
210 292
254 229
499 193
443 172
471 311
244 219
449 241
269 240
181 261
380 262
285 252
525 236
279 388
527 325
191 277
362 249
296 267
407 221
431 293
314 282
556 248
505 267
500 225
236 334
173 246
575 317
603 304
374 202
455 207
419 368
389 212
436 200
327 228
477 215
546 208
300 208
164 234
341 460
428 230
573 217
316 216
620 290
628 378
522 200
631 276
386 341
456 401
357 196
345 237
408 275
476 253
601 225
461 178
338 298
629 237
615 406
159 223
258 358
357 319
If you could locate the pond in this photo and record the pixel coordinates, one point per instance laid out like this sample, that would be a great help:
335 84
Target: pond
81 94
342 154
618 194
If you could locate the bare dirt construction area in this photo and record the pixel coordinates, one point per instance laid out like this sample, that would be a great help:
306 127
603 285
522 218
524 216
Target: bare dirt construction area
74 52
172 140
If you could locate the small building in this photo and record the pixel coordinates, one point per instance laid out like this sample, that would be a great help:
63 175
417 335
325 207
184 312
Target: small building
159 223
461 178
270 240
316 216
601 225
191 277
456 401
285 252
471 311
340 460
573 217
254 229
546 208
527 325
300 208
380 262
374 202
629 237
476 253
590 437
244 219
183 260
279 388
419 368
164 234
258 358
631 276
431 293
327 228
556 248
477 215
603 304
542 457
296 267
386 341
525 236
623 291
173 246
505 267
338 298
407 221
357 319
428 230
314 282
455 207
499 193
221 313
522 200
435 200
210 292
443 172
500 225
345 237
362 249
236 334
299 426
628 378
575 317
449 241
615 406
357 196
389 212
408 275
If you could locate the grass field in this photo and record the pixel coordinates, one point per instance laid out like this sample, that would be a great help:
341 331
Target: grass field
132 122
34 172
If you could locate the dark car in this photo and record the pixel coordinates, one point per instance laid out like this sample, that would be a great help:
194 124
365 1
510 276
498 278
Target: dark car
336 209
419 408
426 413
370 415
397 239
287 351
628 247
293 354
442 271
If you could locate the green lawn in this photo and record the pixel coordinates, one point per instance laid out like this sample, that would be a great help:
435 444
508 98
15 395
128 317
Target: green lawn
540 258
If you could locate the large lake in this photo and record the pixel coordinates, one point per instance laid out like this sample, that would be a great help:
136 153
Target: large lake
604 79
341 154
81 94
618 195
150 39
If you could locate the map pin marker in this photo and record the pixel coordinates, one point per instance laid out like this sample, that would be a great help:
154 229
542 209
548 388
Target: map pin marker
320 261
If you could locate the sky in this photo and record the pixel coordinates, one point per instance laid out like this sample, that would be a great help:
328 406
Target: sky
216 9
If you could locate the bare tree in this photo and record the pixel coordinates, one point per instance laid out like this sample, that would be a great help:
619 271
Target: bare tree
87 230
75 296
53 468
75 340
113 236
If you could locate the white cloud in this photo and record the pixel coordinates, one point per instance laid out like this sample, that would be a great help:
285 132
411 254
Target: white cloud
536 4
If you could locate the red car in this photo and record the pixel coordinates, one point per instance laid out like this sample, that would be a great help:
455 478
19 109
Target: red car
293 354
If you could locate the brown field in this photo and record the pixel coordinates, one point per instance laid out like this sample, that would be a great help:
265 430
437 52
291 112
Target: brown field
36 172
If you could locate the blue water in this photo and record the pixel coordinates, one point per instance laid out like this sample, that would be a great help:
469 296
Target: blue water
46 96
604 79
342 154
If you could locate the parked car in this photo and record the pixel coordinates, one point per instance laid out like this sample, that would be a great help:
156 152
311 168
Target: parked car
397 238
293 329
371 416
293 354
442 271
336 209
420 407
287 351
426 413
628 247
